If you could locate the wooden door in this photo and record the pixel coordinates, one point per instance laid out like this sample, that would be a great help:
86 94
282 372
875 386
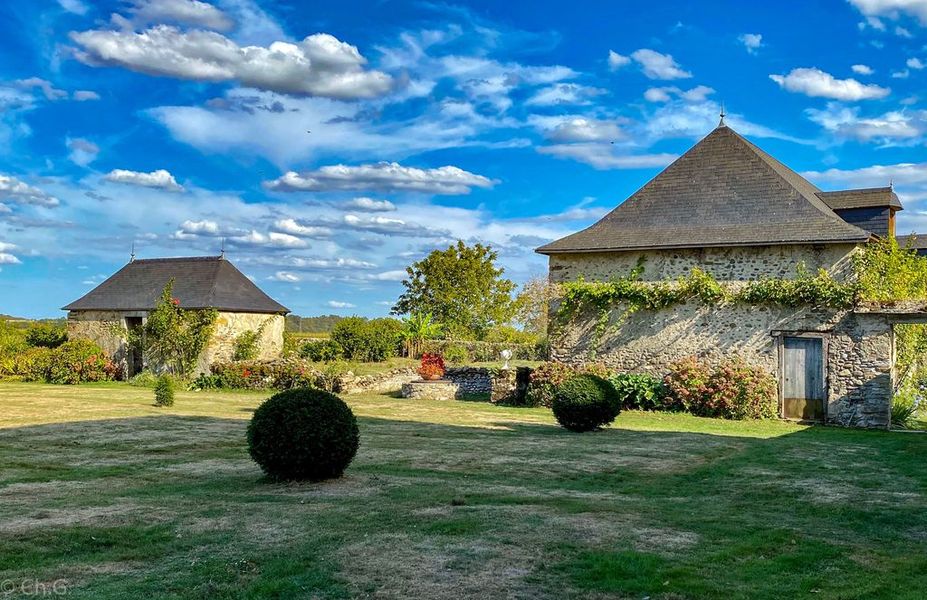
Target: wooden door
803 383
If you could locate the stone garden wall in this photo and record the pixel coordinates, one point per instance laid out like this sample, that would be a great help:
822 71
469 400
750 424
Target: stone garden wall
859 346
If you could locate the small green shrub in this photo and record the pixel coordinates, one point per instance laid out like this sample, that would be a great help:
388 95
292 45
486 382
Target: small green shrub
206 381
732 390
320 350
246 345
303 434
46 335
144 379
585 402
368 340
639 392
34 364
456 353
164 391
79 361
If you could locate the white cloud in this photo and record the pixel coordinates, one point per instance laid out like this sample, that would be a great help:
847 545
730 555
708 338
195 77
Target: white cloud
207 228
6 254
862 69
604 156
369 205
161 179
915 63
391 226
846 122
339 304
188 12
319 65
659 66
751 41
73 6
19 192
83 152
381 176
903 74
664 94
274 239
893 9
85 95
563 93
903 32
568 129
286 277
816 83
616 61
49 90
293 227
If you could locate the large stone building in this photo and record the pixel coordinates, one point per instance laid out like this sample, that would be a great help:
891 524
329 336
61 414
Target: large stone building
124 300
732 210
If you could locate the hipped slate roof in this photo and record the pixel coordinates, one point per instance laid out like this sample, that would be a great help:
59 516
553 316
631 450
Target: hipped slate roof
862 198
199 282
723 192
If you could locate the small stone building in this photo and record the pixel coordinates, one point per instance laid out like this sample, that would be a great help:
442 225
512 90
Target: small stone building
727 207
124 300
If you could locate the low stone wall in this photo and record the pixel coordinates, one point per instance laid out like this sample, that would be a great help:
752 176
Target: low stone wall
380 383
471 381
430 390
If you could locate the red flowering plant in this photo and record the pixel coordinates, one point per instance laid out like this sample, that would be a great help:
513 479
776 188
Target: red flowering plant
432 366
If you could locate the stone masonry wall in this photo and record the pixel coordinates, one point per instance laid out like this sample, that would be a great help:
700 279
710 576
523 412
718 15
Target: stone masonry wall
859 346
103 328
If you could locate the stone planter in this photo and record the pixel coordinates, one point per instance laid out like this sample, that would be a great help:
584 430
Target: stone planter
439 389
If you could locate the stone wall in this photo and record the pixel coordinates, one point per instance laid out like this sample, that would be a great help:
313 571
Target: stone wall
859 346
103 327
471 381
230 325
726 264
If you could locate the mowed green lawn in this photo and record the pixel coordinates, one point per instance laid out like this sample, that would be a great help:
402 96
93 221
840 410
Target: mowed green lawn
114 498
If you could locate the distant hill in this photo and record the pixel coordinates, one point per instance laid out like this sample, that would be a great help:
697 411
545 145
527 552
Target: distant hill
322 324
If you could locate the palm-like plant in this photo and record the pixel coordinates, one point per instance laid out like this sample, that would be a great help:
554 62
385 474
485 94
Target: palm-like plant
417 328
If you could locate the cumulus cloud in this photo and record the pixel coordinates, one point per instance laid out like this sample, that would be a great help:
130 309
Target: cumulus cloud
83 152
196 228
892 9
616 61
385 176
818 84
6 254
286 277
274 239
319 65
160 179
19 192
846 122
338 304
73 6
49 90
664 94
915 63
569 129
751 41
392 226
862 69
85 95
293 227
369 205
659 66
564 93
187 12
604 156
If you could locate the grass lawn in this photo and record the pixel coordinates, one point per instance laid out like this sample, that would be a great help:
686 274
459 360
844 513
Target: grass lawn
118 499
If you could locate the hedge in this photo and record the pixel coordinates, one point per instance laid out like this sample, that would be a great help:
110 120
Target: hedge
472 351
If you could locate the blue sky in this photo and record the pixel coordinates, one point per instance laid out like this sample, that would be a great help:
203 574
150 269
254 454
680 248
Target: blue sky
331 144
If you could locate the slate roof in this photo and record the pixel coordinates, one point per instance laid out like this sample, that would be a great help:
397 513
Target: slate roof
918 241
199 282
861 198
723 192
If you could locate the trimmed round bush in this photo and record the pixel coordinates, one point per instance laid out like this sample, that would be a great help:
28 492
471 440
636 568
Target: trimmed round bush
586 402
303 433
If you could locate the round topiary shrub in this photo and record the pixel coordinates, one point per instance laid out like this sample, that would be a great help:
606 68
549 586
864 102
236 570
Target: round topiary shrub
164 390
303 433
585 402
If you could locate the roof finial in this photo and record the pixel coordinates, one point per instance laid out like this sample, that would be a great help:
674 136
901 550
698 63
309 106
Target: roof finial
132 256
891 184
723 114
222 249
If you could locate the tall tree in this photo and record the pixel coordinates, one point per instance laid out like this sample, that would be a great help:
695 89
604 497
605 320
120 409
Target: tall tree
532 305
461 287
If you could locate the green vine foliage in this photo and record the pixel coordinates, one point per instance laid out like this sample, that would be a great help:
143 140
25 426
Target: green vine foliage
175 337
887 272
